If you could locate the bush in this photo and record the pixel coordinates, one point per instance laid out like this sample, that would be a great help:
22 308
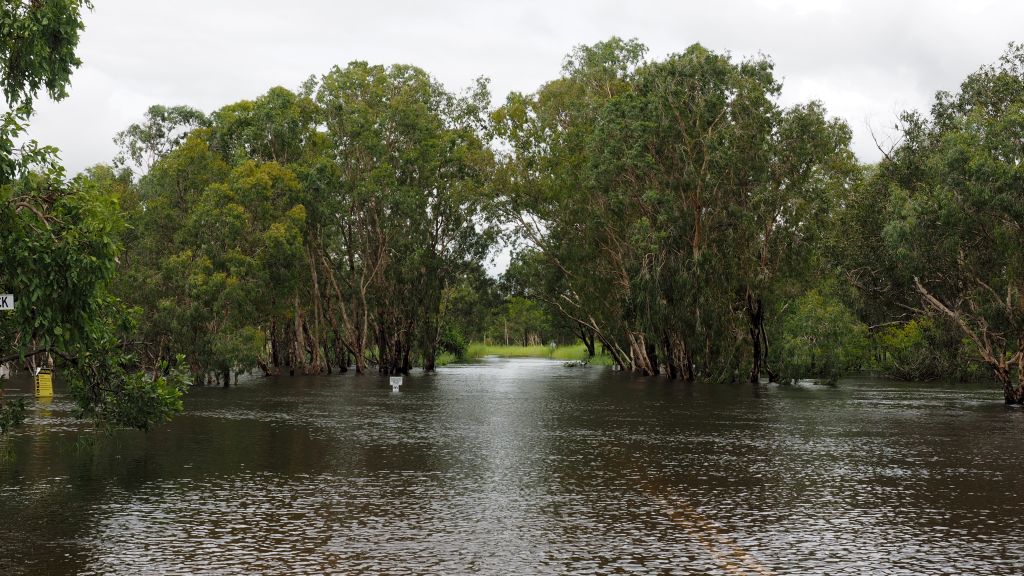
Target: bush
821 337
453 342
923 349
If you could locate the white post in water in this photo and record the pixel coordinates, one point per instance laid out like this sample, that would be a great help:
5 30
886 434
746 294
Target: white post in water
396 382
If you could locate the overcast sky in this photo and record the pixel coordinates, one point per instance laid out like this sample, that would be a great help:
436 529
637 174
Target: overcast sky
866 60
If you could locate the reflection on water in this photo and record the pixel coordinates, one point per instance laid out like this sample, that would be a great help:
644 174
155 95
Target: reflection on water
524 466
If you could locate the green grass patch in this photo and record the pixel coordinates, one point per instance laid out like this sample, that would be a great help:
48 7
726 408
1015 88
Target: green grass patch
478 350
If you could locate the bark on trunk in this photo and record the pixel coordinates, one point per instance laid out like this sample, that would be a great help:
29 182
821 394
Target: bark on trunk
755 315
1012 394
588 341
617 358
317 360
652 358
638 353
678 359
299 341
275 349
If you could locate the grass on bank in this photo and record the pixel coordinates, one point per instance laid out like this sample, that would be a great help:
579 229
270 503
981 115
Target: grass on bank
478 350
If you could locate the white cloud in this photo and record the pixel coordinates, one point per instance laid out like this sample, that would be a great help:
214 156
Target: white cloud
865 60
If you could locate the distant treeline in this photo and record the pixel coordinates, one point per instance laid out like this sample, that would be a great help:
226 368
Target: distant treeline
668 213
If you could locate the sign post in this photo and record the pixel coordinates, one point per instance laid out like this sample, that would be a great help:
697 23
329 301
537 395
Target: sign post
44 383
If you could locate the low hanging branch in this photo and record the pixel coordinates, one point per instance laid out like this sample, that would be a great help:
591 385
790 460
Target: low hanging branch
979 335
36 352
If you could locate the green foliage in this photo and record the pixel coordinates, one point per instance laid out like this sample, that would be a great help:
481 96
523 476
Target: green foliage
37 47
474 303
925 349
112 395
949 211
478 350
165 128
525 321
580 353
821 337
61 239
56 257
12 414
37 51
667 204
341 222
908 351
453 342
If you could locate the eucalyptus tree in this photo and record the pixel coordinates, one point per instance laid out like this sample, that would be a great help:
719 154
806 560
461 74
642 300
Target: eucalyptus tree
164 129
544 184
670 196
404 184
302 231
956 213
220 249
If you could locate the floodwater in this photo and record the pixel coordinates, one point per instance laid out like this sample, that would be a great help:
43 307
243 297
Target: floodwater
525 467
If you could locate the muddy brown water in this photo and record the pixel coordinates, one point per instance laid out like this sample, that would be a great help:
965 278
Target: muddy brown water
525 467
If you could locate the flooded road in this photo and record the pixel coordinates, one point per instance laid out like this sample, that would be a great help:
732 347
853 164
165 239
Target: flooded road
524 467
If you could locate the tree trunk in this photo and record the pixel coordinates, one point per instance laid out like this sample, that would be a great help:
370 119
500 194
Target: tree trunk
275 348
264 367
612 351
652 358
299 343
1020 371
317 360
360 354
755 314
638 352
680 365
587 336
1011 394
406 359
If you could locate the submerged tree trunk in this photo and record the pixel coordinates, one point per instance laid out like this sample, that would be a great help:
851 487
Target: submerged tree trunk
588 341
275 348
317 359
755 315
638 353
1013 393
677 358
652 358
612 351
670 360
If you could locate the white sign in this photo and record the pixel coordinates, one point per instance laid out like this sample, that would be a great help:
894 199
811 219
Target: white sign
6 301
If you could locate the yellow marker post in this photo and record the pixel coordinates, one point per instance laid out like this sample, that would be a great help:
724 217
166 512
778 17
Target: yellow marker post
44 383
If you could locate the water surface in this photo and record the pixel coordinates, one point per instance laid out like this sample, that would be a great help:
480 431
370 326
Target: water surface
522 467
